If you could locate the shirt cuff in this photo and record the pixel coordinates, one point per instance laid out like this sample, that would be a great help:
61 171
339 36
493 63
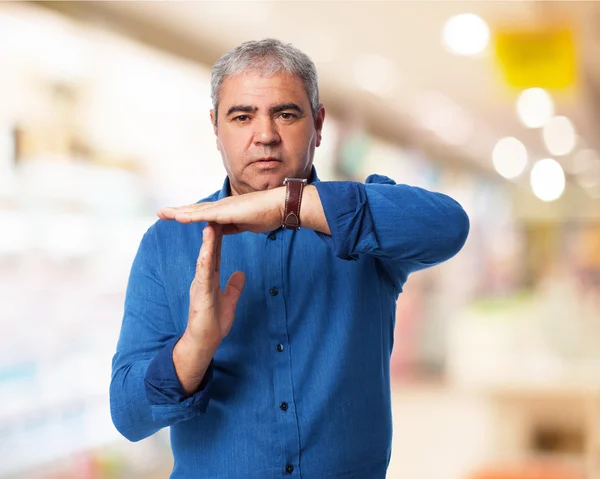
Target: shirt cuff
348 216
164 390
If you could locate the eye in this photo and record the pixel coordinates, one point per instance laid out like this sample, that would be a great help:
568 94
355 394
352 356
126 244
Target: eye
288 116
241 118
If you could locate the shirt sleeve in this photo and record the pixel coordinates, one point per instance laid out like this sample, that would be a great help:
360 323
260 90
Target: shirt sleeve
406 227
140 407
164 390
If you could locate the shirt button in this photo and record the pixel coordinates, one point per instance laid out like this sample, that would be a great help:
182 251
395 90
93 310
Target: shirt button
272 236
279 348
273 292
289 468
284 406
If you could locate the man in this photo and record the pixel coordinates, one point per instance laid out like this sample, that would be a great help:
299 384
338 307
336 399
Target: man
267 353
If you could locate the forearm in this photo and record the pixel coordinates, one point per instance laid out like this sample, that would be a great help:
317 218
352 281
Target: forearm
191 363
396 222
415 225
312 215
147 395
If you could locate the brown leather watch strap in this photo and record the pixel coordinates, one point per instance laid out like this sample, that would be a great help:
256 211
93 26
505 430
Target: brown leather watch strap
293 201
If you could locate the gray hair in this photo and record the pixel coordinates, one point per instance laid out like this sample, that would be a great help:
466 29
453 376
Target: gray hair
266 57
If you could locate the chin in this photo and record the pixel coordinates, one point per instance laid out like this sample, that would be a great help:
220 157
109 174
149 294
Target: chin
268 185
268 182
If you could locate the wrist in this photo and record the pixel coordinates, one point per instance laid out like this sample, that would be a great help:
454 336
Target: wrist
191 364
312 215
279 194
197 348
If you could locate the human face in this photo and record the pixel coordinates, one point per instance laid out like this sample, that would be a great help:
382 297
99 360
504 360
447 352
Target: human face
265 130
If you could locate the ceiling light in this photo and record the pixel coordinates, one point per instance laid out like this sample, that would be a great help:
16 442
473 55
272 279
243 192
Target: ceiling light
535 107
466 34
583 160
559 136
509 157
586 168
547 179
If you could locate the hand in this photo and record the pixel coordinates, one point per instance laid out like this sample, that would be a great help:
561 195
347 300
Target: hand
211 311
258 212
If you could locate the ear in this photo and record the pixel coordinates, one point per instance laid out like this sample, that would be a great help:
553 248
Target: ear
319 120
213 120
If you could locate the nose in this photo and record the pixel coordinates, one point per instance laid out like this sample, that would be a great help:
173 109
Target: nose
265 132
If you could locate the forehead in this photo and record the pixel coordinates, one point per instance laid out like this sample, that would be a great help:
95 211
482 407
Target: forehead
255 89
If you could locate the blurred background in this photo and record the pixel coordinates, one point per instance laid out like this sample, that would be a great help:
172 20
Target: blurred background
104 118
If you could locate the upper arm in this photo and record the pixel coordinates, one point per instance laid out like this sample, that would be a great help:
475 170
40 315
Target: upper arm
147 322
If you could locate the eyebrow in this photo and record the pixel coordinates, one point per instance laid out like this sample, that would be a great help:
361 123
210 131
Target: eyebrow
284 107
241 109
272 110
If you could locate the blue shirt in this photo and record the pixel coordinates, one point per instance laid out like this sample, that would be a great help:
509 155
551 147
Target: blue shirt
301 386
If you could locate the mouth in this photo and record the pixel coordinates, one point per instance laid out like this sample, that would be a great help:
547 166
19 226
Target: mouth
268 159
267 163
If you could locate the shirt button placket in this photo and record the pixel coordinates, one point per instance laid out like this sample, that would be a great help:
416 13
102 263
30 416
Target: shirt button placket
274 273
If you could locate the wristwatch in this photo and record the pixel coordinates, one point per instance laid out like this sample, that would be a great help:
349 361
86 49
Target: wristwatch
293 201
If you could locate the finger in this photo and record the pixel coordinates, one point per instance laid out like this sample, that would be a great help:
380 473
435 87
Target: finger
171 212
219 242
221 212
195 216
163 214
233 290
205 264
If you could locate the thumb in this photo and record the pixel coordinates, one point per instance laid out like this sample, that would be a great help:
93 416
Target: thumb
233 290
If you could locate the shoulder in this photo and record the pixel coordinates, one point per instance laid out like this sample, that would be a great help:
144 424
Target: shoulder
379 179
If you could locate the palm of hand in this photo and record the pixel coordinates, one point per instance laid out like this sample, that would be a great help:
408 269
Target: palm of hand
212 311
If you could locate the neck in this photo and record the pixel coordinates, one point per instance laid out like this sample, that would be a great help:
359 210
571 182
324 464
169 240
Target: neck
246 188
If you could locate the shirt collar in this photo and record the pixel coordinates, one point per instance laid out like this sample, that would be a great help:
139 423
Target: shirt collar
225 190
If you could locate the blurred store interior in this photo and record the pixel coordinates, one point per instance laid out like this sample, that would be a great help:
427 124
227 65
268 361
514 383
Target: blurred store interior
104 119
